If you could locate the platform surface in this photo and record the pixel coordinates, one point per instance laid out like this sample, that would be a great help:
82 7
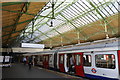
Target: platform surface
22 71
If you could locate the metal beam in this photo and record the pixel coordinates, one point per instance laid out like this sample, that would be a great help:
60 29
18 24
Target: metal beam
59 11
90 35
12 33
26 9
90 10
57 32
9 38
55 16
101 14
44 17
72 18
61 34
17 23
79 16
102 4
24 13
48 15
86 10
38 17
45 35
23 32
14 27
10 3
77 29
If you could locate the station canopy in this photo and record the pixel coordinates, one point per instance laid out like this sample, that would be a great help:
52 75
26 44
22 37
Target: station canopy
64 22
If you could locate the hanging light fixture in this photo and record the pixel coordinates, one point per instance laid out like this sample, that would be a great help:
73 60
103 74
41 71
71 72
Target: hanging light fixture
51 24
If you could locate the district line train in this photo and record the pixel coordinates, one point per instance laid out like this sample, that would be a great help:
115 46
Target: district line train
98 60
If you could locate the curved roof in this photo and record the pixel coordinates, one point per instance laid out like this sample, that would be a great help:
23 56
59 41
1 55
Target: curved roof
73 22
15 17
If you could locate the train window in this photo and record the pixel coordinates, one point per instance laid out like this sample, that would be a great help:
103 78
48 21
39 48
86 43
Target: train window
61 59
50 58
41 59
87 60
46 58
105 61
77 59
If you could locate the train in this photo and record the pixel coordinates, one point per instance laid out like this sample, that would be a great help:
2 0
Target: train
95 60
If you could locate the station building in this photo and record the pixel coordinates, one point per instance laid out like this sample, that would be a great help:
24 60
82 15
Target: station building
60 39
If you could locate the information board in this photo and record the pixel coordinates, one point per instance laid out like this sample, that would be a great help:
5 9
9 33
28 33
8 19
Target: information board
31 45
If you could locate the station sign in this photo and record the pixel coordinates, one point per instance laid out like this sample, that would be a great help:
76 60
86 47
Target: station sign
31 45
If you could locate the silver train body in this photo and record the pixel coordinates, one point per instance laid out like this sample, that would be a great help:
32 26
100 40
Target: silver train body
99 60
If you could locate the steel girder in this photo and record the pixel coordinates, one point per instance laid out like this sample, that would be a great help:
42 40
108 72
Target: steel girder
57 14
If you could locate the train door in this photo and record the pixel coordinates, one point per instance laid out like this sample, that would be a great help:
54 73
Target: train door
44 58
66 63
35 60
56 61
61 62
69 63
79 64
51 59
46 61
40 60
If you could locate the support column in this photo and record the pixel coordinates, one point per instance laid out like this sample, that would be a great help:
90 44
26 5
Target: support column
106 31
32 29
78 36
61 41
50 44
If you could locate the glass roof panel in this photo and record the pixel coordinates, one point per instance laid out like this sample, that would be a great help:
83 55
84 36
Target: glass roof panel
70 14
43 37
53 33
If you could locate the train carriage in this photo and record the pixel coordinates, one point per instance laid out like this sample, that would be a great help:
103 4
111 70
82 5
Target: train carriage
99 64
45 59
98 60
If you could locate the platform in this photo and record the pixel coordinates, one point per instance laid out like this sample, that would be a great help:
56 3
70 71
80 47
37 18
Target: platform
21 71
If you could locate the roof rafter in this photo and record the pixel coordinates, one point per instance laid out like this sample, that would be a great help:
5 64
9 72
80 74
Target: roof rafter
55 16
101 14
10 3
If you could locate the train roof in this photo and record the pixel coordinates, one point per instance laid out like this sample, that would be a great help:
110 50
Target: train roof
100 45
